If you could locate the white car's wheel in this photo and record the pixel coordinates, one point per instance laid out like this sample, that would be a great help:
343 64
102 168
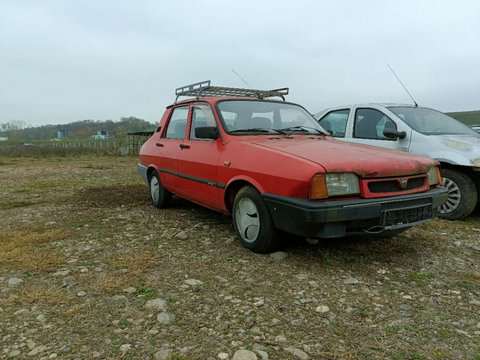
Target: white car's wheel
462 195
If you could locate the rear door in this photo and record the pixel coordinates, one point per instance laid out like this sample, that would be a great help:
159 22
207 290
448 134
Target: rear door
168 147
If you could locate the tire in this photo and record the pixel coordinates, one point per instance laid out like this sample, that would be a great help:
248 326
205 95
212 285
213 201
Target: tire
252 221
158 194
462 195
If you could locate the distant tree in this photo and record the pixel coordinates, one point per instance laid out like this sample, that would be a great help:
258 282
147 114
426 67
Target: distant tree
78 129
120 132
13 128
4 129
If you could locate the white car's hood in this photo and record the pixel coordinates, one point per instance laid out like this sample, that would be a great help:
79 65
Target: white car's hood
461 149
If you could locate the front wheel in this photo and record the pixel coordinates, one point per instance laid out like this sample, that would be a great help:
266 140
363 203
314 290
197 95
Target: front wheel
252 221
462 195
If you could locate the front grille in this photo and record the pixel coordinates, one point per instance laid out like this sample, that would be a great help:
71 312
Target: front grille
395 185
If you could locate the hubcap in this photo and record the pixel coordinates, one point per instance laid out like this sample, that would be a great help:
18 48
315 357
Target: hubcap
154 189
454 197
247 220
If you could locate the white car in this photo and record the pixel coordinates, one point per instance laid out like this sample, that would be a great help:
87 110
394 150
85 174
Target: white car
421 131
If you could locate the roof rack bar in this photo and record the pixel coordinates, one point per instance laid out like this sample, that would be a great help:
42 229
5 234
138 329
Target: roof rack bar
184 90
204 89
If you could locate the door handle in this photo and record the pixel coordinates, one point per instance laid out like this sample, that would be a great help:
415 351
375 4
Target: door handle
159 144
184 146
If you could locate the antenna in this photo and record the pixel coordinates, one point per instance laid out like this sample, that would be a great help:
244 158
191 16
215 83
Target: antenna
241 78
400 81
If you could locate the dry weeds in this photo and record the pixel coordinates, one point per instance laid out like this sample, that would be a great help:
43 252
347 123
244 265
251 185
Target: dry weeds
25 249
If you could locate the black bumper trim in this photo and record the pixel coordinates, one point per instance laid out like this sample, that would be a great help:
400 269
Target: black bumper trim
329 219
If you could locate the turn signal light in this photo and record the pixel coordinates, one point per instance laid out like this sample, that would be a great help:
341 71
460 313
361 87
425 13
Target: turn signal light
318 187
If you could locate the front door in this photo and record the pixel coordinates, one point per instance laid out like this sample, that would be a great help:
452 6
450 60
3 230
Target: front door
198 159
368 129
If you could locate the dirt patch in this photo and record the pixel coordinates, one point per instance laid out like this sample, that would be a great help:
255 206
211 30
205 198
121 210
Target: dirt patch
115 195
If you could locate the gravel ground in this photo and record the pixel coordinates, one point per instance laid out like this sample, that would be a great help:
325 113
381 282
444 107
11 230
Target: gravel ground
90 269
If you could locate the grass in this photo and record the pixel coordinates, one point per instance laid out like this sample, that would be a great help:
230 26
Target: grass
28 249
29 295
467 117
136 263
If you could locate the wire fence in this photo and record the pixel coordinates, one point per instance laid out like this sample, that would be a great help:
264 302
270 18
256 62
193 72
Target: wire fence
64 148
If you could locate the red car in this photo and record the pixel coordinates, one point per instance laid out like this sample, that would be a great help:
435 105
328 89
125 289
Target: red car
273 167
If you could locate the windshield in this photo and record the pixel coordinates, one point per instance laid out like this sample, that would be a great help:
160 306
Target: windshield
242 117
431 122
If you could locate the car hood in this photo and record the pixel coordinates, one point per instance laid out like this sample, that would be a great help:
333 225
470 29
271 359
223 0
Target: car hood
339 156
460 142
461 149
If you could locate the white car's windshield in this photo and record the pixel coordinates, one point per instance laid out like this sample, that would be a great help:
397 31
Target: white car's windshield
246 117
431 122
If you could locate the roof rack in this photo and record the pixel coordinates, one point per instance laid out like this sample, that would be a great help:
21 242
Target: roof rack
204 89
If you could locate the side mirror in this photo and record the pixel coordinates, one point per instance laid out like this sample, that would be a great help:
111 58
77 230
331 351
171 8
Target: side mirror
394 134
207 132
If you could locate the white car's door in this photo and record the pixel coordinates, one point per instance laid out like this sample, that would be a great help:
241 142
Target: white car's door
368 125
336 121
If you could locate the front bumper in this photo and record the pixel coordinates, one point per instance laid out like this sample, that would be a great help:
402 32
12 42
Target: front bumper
330 219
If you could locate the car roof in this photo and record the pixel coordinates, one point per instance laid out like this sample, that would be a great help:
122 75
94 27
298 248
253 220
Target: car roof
213 99
339 107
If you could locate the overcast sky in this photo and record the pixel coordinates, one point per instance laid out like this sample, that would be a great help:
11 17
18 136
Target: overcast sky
69 60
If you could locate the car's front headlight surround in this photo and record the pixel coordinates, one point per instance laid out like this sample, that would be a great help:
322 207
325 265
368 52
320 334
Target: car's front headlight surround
334 184
434 177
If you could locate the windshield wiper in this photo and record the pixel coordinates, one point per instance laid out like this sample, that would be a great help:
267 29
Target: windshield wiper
304 129
260 130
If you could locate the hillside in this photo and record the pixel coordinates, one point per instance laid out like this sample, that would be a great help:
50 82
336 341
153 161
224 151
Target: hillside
467 117
79 129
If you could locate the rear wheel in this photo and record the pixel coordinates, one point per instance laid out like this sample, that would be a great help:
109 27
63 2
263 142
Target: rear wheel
252 221
462 195
158 194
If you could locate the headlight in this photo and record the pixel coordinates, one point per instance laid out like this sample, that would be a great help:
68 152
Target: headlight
476 164
342 184
335 184
434 176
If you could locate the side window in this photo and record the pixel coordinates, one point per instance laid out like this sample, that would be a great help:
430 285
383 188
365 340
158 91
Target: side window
370 123
335 122
202 115
177 124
